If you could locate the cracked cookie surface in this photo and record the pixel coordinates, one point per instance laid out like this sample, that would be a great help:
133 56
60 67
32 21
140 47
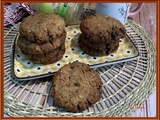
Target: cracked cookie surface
42 27
76 87
101 28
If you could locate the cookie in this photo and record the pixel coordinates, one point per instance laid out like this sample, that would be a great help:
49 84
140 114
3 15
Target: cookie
113 47
42 27
49 60
98 46
82 87
48 57
37 48
101 28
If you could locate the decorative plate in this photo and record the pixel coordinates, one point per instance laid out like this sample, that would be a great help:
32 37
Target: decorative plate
25 69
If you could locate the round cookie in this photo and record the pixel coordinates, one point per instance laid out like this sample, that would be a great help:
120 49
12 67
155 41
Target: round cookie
98 46
49 60
113 47
48 57
36 48
82 87
42 27
101 28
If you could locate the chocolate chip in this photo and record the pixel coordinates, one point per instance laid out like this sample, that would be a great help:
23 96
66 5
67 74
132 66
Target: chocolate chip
77 84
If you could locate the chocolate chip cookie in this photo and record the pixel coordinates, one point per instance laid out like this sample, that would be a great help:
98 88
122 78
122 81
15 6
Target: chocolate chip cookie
42 38
47 57
39 48
111 48
101 28
99 46
100 35
76 87
42 27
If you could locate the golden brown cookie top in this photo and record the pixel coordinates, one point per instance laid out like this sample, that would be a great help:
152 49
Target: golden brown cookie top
102 25
76 87
42 27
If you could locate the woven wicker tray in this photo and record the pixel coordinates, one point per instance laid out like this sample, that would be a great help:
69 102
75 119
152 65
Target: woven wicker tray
125 85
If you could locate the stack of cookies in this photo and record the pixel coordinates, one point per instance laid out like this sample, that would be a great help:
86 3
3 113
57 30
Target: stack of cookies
42 38
100 35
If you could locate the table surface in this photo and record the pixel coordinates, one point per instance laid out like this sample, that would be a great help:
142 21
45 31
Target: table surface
147 19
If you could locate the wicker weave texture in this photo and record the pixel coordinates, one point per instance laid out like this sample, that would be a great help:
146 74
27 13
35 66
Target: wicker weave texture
124 85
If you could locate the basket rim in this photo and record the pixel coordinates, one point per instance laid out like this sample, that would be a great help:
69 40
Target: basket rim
150 46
